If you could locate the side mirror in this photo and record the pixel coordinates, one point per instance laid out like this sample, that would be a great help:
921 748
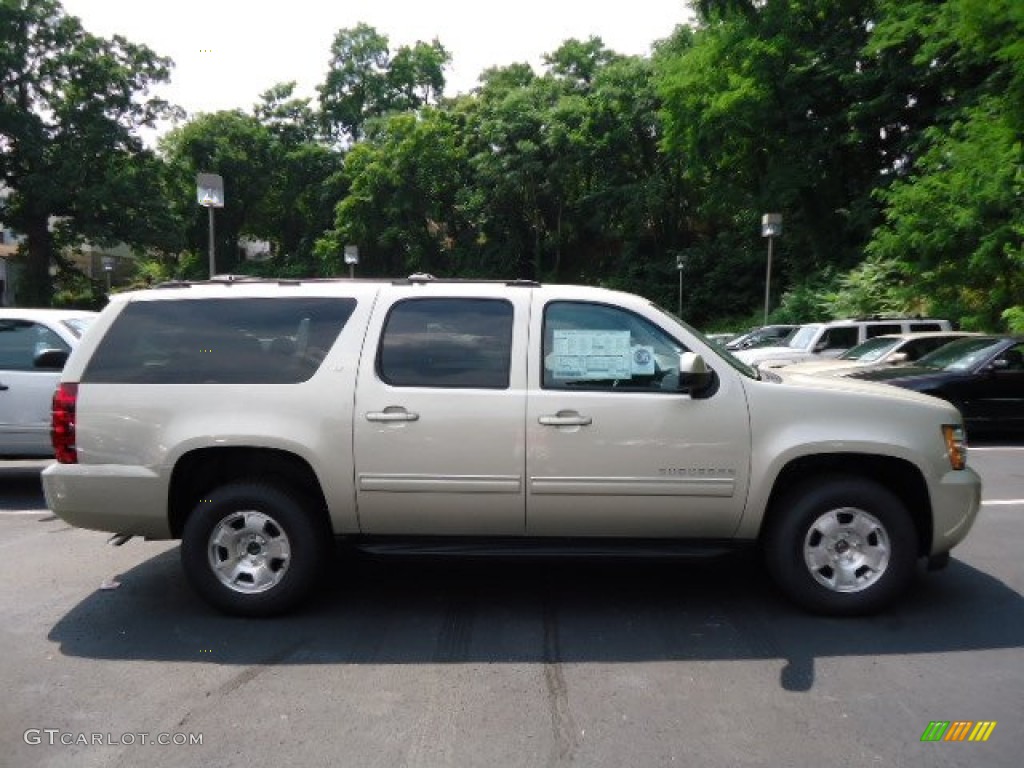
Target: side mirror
897 358
999 365
695 378
51 359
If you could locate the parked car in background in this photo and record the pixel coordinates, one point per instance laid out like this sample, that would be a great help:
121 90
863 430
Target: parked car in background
830 340
34 344
767 335
881 351
983 376
721 339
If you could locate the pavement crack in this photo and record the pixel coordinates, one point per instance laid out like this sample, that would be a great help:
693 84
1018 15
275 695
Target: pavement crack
251 672
562 724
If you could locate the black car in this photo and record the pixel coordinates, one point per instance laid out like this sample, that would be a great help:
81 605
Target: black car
983 376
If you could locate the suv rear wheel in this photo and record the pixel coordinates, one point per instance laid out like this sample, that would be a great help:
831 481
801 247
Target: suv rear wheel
841 546
253 549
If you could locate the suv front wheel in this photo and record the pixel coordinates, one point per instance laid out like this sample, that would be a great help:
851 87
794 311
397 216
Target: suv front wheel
253 549
841 546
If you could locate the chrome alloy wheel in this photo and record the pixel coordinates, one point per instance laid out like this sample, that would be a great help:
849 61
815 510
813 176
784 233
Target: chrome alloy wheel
249 552
847 550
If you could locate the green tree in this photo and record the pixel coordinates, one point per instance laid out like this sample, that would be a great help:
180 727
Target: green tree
364 81
306 182
245 154
70 106
953 219
401 207
757 108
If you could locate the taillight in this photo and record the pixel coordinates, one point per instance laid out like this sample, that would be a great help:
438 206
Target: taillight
62 429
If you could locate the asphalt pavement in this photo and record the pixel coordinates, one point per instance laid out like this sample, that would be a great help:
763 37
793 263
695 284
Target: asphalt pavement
104 651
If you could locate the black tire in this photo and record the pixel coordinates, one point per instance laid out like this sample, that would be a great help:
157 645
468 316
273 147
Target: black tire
841 546
271 543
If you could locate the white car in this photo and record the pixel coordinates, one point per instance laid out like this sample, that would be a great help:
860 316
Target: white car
34 343
879 352
817 341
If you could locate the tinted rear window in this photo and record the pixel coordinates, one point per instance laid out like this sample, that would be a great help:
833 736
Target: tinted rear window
882 330
447 343
219 341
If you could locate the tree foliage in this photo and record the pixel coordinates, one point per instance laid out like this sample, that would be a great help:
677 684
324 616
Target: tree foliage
70 106
365 81
887 132
954 221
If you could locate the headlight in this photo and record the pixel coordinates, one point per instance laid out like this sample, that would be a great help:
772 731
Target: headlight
956 445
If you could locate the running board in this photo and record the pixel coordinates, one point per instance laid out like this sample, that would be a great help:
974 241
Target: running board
459 546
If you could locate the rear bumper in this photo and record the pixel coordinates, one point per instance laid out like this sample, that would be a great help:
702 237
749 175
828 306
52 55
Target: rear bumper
109 497
955 505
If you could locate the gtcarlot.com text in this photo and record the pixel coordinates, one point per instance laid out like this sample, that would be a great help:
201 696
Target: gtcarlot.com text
57 737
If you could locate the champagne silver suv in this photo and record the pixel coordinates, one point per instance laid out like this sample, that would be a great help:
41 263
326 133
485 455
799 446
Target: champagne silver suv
257 420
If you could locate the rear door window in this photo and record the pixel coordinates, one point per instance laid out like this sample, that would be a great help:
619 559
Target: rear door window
447 343
219 341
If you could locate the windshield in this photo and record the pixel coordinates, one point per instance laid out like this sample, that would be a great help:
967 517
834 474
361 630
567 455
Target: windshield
723 353
77 325
871 350
960 355
803 337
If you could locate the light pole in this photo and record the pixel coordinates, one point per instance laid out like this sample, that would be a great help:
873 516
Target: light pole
771 227
680 263
351 258
210 194
108 268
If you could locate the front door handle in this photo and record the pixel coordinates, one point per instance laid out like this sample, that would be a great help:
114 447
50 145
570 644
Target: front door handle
566 419
392 413
4 387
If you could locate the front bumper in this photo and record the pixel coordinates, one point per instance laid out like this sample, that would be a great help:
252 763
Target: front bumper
955 505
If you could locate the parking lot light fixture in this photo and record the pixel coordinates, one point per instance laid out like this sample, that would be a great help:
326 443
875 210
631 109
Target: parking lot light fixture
351 258
210 195
108 269
771 227
680 263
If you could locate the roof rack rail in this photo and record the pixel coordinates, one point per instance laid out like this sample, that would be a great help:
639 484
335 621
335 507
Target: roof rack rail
423 277
889 317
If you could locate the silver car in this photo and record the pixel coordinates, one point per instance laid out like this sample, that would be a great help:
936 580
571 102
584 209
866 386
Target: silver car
34 343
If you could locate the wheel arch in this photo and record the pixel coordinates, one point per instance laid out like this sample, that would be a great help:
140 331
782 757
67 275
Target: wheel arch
200 471
897 475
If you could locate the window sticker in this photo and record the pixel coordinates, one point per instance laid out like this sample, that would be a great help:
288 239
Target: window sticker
591 355
643 361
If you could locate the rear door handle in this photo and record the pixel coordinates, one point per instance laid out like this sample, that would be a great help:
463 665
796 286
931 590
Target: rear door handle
566 419
4 387
392 414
